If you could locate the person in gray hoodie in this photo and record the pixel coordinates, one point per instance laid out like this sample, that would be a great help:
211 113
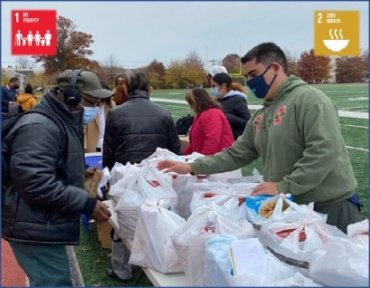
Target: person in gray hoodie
296 134
233 99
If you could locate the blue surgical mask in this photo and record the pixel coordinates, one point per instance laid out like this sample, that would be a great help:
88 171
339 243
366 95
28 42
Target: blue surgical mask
258 84
89 114
215 92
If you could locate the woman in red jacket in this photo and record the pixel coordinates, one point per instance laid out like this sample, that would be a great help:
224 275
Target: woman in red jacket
210 132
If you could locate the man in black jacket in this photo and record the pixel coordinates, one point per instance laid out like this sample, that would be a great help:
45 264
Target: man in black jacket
42 204
134 130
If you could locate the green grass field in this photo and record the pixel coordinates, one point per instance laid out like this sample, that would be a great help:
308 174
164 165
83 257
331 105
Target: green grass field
349 97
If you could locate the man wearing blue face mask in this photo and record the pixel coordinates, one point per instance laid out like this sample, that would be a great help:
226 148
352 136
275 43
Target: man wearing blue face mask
43 188
298 137
94 131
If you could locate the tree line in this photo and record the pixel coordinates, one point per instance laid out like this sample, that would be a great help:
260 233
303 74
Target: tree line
73 51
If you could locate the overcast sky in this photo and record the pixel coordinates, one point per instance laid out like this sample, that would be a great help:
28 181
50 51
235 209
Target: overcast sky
138 32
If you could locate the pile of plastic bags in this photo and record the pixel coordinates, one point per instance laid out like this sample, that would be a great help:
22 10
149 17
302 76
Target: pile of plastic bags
185 223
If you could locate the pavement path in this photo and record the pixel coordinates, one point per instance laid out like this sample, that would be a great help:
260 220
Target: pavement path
11 274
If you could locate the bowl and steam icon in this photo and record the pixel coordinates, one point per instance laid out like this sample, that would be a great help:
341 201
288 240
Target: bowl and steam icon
337 43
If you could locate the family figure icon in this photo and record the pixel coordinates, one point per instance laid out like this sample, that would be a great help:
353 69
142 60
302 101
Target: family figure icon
30 39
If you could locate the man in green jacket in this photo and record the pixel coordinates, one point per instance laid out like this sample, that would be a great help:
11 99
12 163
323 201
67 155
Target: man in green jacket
298 137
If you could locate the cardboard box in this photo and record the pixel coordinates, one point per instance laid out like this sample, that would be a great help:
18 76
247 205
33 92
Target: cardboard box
184 140
103 229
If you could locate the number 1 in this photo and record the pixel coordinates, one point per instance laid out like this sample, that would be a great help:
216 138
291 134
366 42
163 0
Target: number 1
17 17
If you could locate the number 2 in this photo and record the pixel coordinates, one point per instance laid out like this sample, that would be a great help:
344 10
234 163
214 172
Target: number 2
319 18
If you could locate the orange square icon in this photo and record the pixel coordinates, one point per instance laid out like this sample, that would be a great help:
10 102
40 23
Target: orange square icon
337 33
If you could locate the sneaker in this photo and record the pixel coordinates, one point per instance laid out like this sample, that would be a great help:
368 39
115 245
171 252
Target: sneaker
110 272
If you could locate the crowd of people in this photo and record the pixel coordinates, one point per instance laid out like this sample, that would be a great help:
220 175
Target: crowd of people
296 134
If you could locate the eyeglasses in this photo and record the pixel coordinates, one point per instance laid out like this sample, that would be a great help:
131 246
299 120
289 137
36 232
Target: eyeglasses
90 103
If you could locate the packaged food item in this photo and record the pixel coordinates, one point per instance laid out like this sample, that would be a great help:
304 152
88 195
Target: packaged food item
264 205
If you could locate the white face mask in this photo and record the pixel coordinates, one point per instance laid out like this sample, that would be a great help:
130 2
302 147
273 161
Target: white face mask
215 92
89 114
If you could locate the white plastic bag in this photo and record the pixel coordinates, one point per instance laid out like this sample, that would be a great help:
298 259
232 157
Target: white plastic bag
127 212
184 185
152 246
218 269
150 184
153 184
230 196
296 242
117 173
190 240
123 177
341 263
226 176
359 232
297 280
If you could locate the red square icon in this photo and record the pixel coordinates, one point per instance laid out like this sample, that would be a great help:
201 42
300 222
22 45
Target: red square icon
34 32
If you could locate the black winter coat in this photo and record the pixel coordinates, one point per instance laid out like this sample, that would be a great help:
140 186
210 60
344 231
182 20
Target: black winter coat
135 129
46 198
237 112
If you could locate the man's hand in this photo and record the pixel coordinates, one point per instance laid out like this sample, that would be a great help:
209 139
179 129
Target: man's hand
266 188
174 166
101 212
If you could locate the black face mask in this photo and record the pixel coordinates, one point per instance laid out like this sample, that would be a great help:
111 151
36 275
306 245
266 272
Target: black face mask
15 86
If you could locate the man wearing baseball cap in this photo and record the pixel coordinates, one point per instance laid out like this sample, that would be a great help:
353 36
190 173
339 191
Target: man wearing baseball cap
43 181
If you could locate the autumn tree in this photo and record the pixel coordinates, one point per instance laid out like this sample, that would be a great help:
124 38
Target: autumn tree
4 77
187 73
194 70
72 49
232 63
312 68
175 74
352 69
38 79
365 60
156 73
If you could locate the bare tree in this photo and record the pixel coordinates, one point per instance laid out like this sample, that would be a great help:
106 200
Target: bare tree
292 62
24 62
112 67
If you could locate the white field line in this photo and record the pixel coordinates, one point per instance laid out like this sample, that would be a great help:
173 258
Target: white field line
359 149
356 107
358 98
342 113
355 126
354 114
175 106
